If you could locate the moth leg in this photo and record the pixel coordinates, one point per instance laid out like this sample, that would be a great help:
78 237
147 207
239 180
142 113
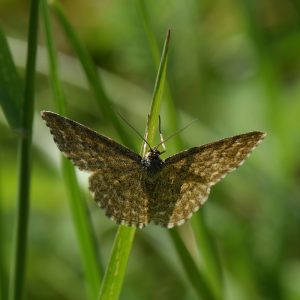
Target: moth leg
161 136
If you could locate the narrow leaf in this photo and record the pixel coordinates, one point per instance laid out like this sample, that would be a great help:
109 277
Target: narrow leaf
115 271
11 88
79 210
196 278
16 289
84 229
158 91
212 274
3 273
211 262
170 112
94 80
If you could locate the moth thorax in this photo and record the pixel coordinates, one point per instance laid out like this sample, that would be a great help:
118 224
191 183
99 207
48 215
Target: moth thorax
152 161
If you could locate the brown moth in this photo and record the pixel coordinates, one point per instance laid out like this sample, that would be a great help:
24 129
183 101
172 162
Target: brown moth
135 190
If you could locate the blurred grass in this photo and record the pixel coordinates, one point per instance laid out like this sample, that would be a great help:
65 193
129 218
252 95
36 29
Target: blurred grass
19 250
3 271
11 91
81 219
198 281
210 267
218 71
101 97
11 102
171 115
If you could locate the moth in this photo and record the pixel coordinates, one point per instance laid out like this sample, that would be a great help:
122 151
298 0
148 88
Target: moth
135 190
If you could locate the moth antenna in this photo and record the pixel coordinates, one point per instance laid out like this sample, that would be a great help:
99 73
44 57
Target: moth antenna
175 133
123 118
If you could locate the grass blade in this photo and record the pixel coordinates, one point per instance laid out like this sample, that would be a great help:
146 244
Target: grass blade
158 92
79 210
20 238
115 271
211 262
84 231
197 280
58 93
3 274
209 257
11 88
103 100
171 114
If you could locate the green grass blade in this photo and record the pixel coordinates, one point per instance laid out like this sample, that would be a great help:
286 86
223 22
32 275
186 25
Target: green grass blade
3 273
83 228
115 271
11 88
210 257
79 210
171 114
52 59
20 238
149 33
158 92
197 280
103 100
211 263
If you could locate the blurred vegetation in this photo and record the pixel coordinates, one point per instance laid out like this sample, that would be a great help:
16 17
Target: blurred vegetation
235 65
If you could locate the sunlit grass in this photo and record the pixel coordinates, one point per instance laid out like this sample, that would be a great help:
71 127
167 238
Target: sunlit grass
81 220
206 282
234 66
94 80
16 289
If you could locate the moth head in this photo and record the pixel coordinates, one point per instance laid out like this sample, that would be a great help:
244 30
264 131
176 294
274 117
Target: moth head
153 153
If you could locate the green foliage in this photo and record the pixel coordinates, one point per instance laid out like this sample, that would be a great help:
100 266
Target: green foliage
17 279
158 92
197 279
116 268
84 230
101 97
233 65
80 215
11 89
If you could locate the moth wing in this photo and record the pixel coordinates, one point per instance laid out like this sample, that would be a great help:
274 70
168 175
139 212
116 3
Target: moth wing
184 183
87 149
121 196
211 162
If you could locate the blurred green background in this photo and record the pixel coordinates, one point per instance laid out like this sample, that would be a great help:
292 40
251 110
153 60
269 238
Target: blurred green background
235 65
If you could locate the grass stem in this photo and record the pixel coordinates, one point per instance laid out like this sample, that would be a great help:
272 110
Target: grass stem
93 78
115 271
79 210
16 290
